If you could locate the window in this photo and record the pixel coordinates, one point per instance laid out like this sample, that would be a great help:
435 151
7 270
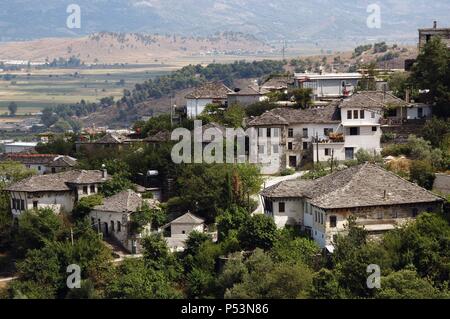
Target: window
112 225
276 132
290 146
35 204
53 170
14 206
275 149
321 218
392 113
281 207
261 149
291 132
349 115
380 215
305 133
305 145
269 132
327 131
315 216
354 130
327 151
355 114
119 227
333 221
372 115
415 211
85 189
39 168
92 188
361 114
260 132
374 128
22 204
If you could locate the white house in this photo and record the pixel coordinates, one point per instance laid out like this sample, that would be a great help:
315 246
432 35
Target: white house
377 198
113 218
42 163
208 93
58 192
17 147
180 228
328 85
246 96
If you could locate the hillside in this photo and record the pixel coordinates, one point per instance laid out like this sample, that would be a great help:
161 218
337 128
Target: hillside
133 48
332 20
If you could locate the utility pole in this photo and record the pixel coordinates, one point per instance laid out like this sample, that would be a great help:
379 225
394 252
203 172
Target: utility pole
332 159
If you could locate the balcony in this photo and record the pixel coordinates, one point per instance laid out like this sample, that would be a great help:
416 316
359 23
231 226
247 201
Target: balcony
331 138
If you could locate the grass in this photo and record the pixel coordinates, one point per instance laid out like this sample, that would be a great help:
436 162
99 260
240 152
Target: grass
34 90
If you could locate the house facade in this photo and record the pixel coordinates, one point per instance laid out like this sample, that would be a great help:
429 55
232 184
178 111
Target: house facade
42 163
114 219
180 228
58 192
378 199
328 85
246 96
208 93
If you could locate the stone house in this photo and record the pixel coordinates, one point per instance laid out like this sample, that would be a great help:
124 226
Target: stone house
379 199
246 96
208 93
180 228
114 219
108 141
42 163
328 85
58 192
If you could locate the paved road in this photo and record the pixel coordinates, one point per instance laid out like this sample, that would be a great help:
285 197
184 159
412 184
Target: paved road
269 181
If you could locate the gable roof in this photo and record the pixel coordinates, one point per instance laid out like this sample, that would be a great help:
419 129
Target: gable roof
124 202
188 218
372 100
210 90
285 116
359 186
63 161
28 158
57 182
277 83
161 136
111 138
249 91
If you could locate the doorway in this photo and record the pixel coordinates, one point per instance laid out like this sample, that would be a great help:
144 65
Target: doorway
349 153
293 161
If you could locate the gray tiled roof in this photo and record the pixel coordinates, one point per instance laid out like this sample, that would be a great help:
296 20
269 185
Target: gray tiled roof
358 186
210 90
63 161
188 218
123 202
279 82
286 116
372 100
161 136
57 182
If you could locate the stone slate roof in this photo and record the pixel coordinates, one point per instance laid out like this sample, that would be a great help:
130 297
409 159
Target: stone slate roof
110 138
250 90
278 83
364 185
286 116
161 136
210 90
63 161
372 100
188 218
57 182
28 158
124 202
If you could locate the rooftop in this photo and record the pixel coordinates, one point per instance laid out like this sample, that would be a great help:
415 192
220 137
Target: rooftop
124 202
372 100
51 160
281 82
328 76
57 182
364 185
210 90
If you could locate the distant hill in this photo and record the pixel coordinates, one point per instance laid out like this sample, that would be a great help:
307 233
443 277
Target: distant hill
268 20
108 47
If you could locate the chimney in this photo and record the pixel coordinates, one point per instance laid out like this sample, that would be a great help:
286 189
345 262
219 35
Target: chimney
407 96
104 171
434 24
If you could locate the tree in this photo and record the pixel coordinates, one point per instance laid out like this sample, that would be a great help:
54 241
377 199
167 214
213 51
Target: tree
231 219
154 217
234 116
258 231
406 284
85 205
398 83
36 229
116 184
436 130
326 286
431 72
302 97
12 107
133 279
422 173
